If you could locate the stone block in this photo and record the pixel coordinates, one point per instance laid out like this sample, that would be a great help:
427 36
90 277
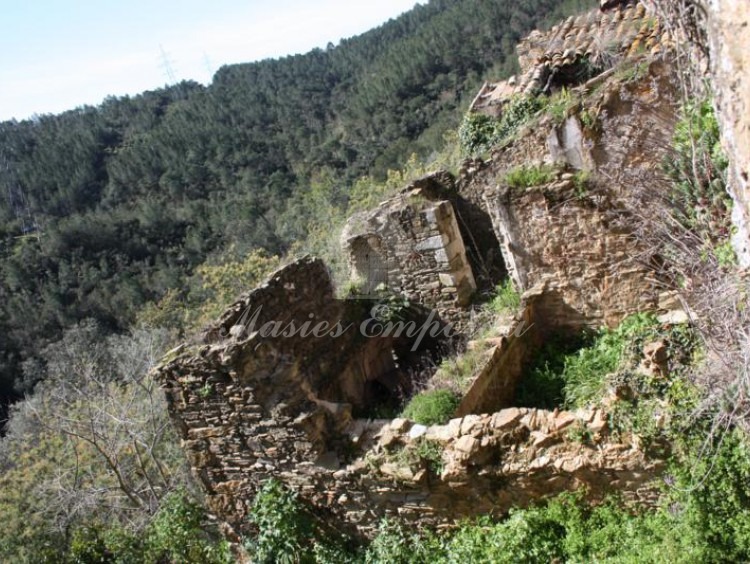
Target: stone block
506 419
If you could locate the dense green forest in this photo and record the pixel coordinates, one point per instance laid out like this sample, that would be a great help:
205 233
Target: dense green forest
107 208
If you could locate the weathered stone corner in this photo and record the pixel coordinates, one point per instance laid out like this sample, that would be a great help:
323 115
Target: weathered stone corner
411 244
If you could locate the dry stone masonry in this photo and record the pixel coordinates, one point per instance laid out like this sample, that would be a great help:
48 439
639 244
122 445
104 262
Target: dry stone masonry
412 245
250 406
560 56
284 383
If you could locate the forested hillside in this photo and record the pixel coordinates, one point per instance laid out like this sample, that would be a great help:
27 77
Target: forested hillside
106 208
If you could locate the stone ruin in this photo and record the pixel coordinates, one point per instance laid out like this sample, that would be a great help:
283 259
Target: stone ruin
251 405
412 245
258 397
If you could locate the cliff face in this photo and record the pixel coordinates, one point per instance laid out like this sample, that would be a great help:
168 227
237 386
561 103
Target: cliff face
254 399
728 28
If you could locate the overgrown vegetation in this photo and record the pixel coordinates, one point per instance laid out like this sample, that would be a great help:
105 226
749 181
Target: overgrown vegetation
578 372
162 208
698 168
90 470
528 176
479 132
289 533
698 520
506 298
432 407
457 372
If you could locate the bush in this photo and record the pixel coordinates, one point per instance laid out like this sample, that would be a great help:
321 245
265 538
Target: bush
284 528
479 132
175 534
542 386
433 407
394 544
698 168
713 495
528 176
575 372
506 299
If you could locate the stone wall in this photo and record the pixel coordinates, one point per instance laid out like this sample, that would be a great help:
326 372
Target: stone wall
573 240
250 405
494 387
412 245
564 55
577 253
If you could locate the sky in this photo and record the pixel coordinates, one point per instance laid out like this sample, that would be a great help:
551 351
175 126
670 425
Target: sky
56 55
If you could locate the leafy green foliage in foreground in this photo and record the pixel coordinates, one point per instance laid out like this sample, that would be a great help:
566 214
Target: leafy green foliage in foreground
174 535
577 372
432 407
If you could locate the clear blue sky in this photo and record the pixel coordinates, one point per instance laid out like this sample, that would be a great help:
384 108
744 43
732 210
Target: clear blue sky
56 55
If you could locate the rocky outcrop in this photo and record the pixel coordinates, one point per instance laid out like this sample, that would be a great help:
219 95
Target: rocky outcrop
728 28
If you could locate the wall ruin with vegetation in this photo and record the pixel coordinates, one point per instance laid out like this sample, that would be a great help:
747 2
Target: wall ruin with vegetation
251 407
555 196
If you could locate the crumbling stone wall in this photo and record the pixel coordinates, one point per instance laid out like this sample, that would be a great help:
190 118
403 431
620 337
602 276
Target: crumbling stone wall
566 53
573 240
577 254
250 406
518 341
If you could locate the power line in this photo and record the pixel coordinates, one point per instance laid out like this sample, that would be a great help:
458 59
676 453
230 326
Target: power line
168 66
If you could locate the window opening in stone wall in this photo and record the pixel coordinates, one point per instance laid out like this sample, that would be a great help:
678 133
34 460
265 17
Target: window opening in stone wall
370 265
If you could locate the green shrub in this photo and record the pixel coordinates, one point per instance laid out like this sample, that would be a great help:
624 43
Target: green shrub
575 372
528 176
432 407
581 183
526 536
506 298
705 517
725 254
479 132
476 132
175 534
560 105
589 119
432 453
713 495
284 528
393 544
698 168
543 385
